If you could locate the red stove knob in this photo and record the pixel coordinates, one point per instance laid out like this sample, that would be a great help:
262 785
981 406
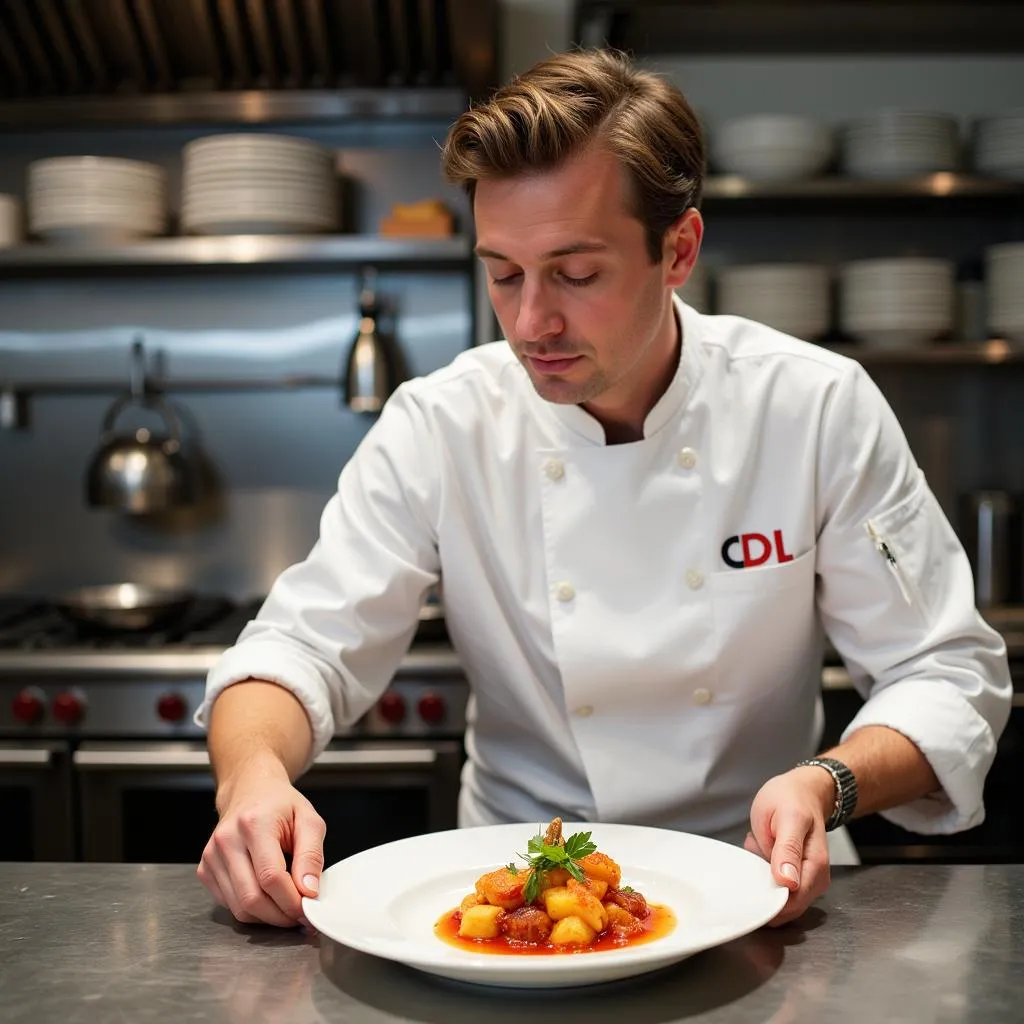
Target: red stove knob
28 706
171 707
68 708
431 708
392 708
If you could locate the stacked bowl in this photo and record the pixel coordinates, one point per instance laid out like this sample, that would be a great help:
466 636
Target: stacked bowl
242 184
999 146
900 144
791 297
896 303
88 199
1005 289
772 147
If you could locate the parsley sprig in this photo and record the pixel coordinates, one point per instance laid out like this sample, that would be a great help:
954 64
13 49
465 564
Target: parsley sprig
542 857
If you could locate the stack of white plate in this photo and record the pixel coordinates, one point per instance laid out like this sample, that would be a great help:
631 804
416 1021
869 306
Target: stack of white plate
999 146
248 184
896 303
791 297
96 199
696 291
10 221
772 147
900 144
1005 289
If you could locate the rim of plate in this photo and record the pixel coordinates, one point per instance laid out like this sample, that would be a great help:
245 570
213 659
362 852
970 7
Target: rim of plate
393 944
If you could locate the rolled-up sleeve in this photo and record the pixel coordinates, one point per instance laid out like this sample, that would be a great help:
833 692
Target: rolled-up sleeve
896 598
335 626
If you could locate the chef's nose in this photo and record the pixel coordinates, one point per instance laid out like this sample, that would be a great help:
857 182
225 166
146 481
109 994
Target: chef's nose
538 315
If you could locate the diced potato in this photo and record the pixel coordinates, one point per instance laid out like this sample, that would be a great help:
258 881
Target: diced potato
598 887
621 921
553 879
601 866
503 888
474 899
575 900
572 931
527 924
482 922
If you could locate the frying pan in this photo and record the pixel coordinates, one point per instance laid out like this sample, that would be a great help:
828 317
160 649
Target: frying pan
124 606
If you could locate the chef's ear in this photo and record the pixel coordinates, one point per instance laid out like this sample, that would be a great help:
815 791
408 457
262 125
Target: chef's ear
681 246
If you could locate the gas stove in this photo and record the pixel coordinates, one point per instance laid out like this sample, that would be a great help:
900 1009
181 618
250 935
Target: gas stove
63 679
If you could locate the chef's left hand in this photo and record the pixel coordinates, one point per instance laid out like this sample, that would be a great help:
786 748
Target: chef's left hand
787 828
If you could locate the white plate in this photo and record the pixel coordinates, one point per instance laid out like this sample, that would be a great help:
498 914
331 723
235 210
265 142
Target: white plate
386 901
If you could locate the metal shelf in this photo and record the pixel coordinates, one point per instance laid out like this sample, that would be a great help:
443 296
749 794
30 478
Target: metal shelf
246 107
996 352
235 252
939 187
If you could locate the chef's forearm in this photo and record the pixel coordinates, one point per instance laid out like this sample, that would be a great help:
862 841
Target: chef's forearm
890 770
257 729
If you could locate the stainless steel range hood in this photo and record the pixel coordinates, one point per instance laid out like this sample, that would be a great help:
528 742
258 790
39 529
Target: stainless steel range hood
87 61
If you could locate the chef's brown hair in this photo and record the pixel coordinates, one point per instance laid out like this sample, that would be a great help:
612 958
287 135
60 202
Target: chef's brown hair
570 100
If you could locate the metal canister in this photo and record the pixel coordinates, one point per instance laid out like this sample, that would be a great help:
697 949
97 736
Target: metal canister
987 528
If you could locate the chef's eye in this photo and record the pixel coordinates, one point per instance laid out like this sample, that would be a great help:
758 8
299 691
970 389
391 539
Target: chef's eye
506 280
579 282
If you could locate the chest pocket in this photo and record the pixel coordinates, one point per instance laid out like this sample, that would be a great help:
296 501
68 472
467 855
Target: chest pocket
764 624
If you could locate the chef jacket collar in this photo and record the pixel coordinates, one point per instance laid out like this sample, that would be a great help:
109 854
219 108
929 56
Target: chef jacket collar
581 423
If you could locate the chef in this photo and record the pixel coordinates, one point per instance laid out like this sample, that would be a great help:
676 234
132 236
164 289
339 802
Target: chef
646 521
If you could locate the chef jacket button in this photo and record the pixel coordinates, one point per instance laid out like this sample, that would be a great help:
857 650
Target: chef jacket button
565 591
687 458
585 711
555 469
694 579
701 696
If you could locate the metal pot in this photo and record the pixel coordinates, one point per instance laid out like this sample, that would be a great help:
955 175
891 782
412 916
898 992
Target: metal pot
987 523
124 606
139 472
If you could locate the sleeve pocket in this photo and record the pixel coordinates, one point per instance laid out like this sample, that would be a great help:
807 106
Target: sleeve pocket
909 541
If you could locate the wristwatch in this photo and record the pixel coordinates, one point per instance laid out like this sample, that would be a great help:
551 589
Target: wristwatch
846 790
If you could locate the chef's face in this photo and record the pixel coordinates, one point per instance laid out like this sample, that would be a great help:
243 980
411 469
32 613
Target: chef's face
587 312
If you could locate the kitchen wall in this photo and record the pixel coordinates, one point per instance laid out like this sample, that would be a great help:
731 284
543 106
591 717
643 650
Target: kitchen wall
277 454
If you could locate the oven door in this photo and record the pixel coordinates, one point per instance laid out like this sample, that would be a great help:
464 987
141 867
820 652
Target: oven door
154 802
35 801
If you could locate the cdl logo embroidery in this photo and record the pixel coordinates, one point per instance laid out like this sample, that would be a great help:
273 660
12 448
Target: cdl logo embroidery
754 549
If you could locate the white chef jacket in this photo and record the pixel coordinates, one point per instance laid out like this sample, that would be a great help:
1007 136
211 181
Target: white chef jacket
642 624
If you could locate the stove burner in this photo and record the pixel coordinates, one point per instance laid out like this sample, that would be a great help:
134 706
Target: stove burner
36 625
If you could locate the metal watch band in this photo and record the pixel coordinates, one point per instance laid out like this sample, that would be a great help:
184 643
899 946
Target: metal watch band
846 789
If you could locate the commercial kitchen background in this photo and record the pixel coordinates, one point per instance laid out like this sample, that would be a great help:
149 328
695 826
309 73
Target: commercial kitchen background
277 453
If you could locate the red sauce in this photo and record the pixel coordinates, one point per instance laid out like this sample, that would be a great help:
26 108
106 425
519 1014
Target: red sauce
659 922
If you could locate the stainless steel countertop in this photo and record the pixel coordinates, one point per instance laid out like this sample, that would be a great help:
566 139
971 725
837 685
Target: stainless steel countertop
908 944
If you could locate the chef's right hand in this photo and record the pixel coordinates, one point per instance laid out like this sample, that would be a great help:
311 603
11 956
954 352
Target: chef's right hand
261 819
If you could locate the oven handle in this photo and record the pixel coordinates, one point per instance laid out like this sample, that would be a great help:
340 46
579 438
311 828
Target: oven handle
28 757
176 760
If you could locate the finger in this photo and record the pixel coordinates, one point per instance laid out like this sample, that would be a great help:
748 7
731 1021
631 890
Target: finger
816 874
221 878
791 830
205 874
249 899
761 831
270 871
308 851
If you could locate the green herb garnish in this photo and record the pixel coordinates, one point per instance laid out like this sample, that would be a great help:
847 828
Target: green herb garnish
543 858
627 888
511 866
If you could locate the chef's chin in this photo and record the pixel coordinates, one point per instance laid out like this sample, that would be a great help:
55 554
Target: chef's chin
563 391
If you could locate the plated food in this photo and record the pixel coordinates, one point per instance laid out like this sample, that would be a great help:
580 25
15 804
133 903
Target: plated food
567 897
